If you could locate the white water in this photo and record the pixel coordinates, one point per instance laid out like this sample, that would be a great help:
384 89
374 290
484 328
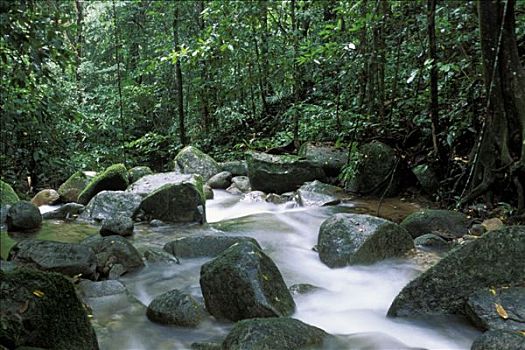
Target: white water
352 299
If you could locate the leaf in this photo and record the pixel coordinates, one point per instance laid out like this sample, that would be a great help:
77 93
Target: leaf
501 311
493 291
38 293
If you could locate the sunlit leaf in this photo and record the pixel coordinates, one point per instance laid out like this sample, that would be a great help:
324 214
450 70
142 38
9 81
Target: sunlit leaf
501 311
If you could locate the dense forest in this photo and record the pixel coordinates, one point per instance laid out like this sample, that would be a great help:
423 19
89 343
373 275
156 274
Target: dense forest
86 84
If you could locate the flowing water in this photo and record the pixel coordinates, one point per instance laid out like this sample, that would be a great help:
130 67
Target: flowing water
351 302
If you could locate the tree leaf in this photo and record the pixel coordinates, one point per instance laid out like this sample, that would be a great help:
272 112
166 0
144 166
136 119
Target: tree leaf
501 311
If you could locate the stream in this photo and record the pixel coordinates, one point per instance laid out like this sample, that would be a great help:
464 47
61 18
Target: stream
351 302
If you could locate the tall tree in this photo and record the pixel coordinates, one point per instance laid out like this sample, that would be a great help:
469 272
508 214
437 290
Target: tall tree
178 76
432 55
79 6
116 29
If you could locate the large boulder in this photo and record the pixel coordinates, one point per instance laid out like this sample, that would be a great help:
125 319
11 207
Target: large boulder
23 216
221 180
45 197
176 308
330 158
114 178
499 340
69 259
350 239
73 186
374 170
42 310
447 224
243 282
150 183
66 211
235 167
317 193
7 194
497 258
137 172
280 173
119 225
482 308
191 160
177 202
109 204
199 246
274 333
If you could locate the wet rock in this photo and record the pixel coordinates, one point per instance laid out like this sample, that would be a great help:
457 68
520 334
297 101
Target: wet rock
254 197
375 163
233 189
7 194
208 192
199 246
275 198
66 211
303 288
114 178
150 183
242 183
72 187
109 204
157 223
431 242
426 177
191 160
243 282
113 250
316 193
154 256
280 173
118 225
176 308
274 333
70 259
137 172
350 239
23 216
41 309
499 340
494 259
90 289
221 180
444 223
45 197
235 167
493 224
481 310
331 159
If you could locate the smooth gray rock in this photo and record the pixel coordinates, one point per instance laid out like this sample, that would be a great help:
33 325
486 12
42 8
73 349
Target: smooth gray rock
431 242
242 183
110 204
221 180
235 167
150 183
118 225
23 216
66 211
176 308
448 224
316 193
191 160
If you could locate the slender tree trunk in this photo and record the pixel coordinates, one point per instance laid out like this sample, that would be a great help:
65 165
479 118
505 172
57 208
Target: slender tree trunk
205 111
78 46
178 78
434 105
295 86
117 59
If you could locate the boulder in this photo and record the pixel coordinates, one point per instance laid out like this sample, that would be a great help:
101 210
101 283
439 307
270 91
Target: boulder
221 180
114 252
316 193
7 194
154 256
482 312
372 173
494 259
91 289
109 204
176 308
150 183
199 246
73 186
331 159
45 197
243 282
350 239
119 225
177 202
242 183
280 173
70 259
447 224
426 177
114 178
191 160
499 340
137 172
274 333
66 211
235 167
42 310
431 242
23 216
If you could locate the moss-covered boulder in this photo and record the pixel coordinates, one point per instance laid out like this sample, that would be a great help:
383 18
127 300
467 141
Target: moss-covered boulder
243 282
317 193
497 258
235 167
183 201
23 216
110 204
374 170
350 239
280 173
191 160
42 310
73 186
7 194
447 224
499 340
274 333
331 159
176 308
137 172
207 245
114 178
45 197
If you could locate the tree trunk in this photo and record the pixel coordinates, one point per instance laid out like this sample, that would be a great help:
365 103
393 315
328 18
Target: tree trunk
203 93
178 78
78 46
117 59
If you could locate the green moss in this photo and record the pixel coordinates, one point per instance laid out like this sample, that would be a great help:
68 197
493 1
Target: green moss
7 194
70 189
114 178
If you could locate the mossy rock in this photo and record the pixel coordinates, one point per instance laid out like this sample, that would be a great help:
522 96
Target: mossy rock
176 308
7 194
70 189
191 160
138 172
447 224
114 178
499 340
